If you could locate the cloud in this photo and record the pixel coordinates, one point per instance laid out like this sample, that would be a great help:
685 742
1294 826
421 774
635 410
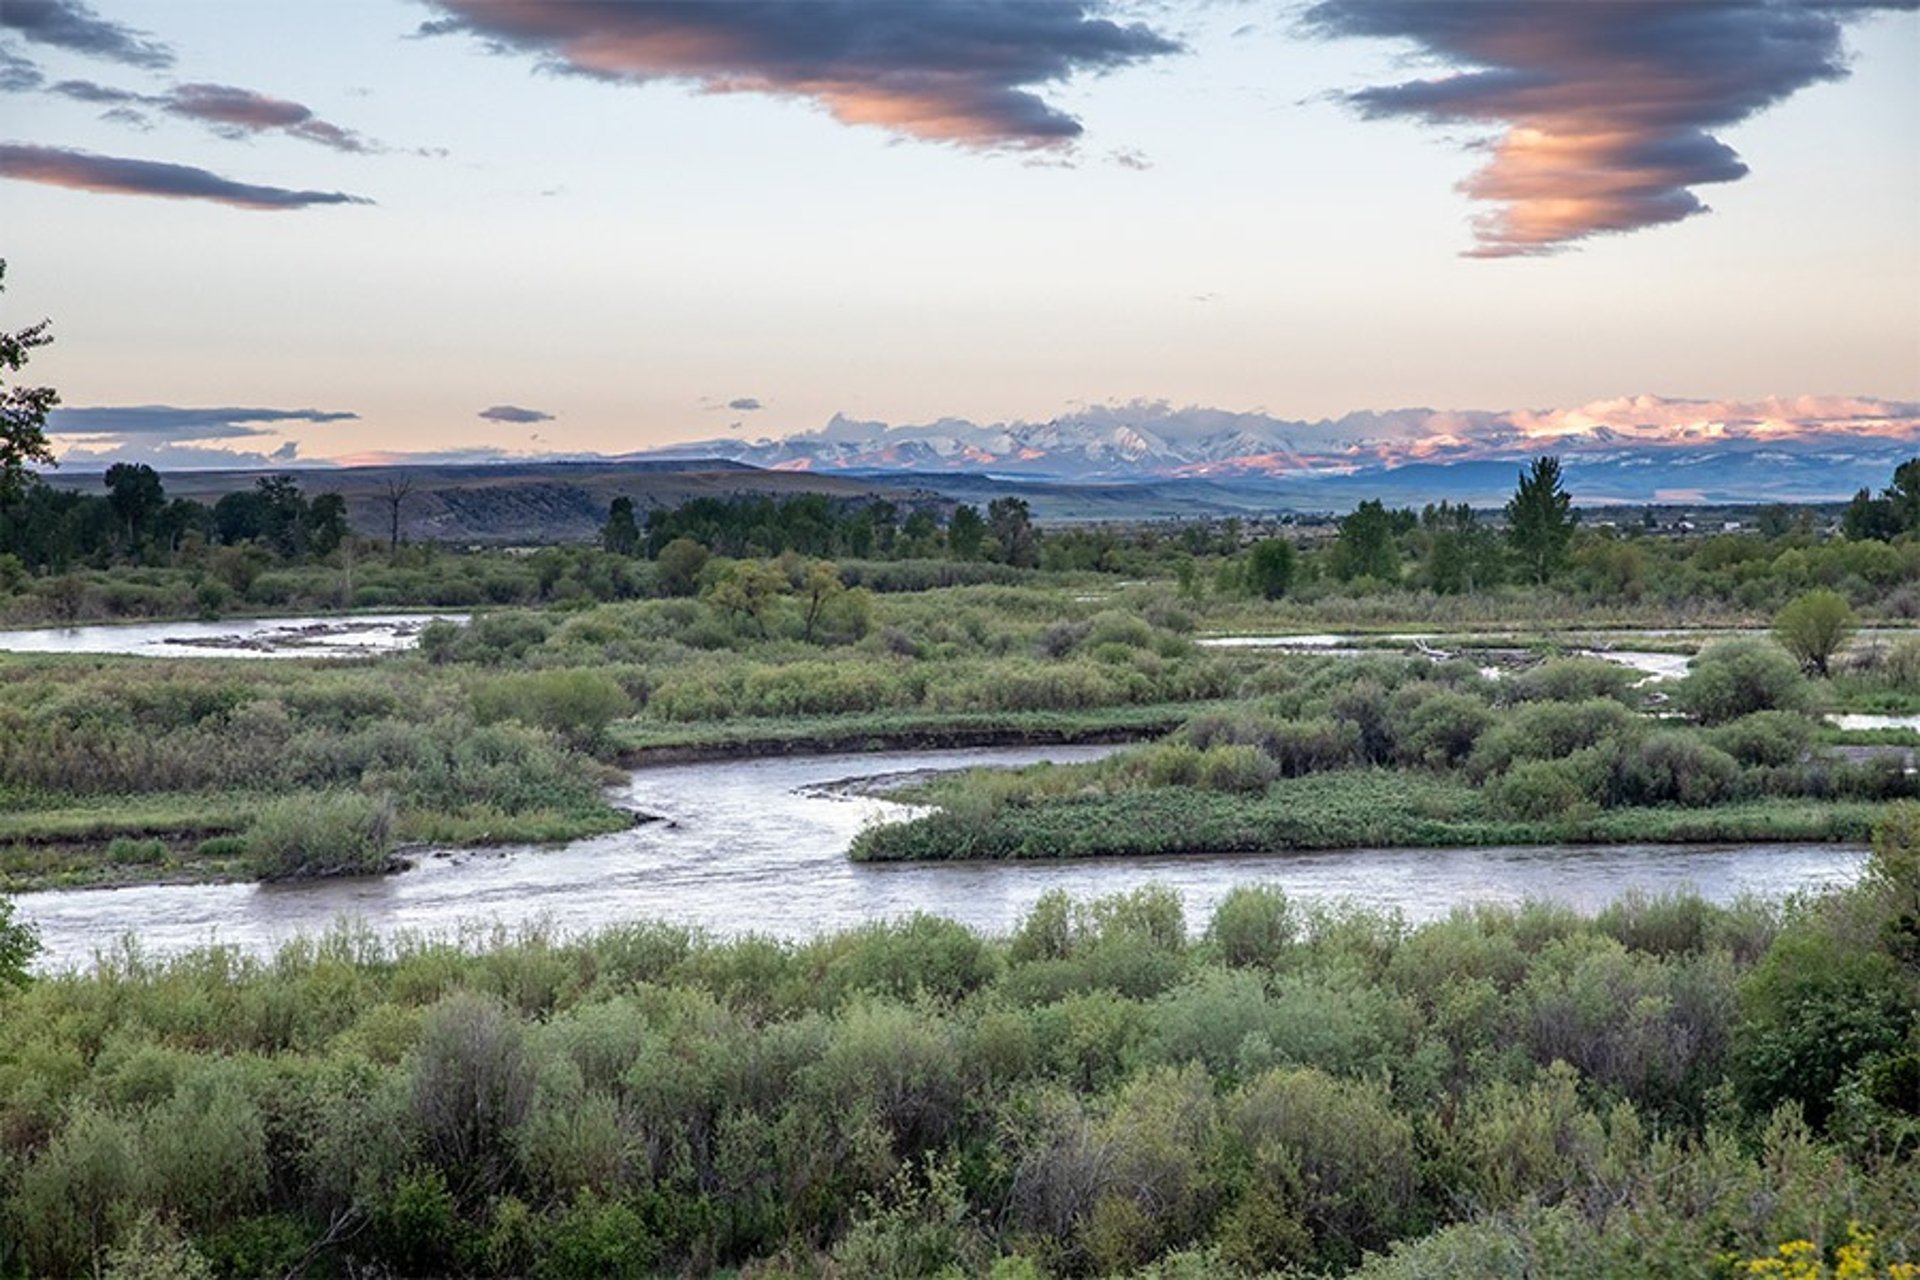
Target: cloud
177 437
1608 109
164 456
89 91
514 413
237 112
953 71
18 74
70 25
84 171
231 112
179 423
455 457
745 404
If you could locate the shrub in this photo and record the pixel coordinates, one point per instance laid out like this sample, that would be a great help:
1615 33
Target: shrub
1739 677
1572 680
1544 790
1336 1153
1814 1009
1672 768
1440 730
923 955
1773 738
1552 731
79 1195
1253 926
576 703
327 834
472 1087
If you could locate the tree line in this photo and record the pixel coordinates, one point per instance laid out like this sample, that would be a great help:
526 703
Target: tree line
814 524
135 522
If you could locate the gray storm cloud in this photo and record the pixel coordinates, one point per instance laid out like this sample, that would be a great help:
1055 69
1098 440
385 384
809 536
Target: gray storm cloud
1607 109
514 413
85 171
179 422
70 25
955 71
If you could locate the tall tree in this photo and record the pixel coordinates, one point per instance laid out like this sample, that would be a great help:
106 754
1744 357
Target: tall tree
621 534
1540 520
965 532
1365 548
1870 517
23 410
1904 494
136 495
327 525
1010 521
1814 627
1269 568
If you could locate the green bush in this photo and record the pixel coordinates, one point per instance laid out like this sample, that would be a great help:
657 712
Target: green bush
1334 1155
1737 678
1253 927
578 704
326 834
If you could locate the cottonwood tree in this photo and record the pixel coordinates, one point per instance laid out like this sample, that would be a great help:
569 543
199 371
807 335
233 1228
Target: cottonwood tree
1540 520
1365 548
23 410
1813 629
621 533
1269 568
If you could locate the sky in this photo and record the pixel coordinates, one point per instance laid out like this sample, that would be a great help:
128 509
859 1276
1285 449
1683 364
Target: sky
350 229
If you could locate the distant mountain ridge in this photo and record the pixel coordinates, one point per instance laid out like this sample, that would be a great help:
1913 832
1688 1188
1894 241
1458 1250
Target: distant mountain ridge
1641 448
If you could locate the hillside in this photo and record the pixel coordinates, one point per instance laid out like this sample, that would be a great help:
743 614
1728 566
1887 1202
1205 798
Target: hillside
506 504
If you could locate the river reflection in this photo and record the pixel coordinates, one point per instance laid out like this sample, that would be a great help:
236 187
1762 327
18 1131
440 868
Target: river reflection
760 846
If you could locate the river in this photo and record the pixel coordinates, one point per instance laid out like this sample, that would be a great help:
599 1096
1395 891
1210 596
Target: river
760 846
334 636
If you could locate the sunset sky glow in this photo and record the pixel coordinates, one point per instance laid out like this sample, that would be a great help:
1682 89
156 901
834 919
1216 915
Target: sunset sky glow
296 231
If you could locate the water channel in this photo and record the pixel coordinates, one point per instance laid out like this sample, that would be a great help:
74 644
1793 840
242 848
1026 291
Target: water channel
760 846
337 636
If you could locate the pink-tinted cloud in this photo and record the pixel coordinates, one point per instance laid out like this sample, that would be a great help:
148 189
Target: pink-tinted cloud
957 71
1608 106
116 175
242 111
229 111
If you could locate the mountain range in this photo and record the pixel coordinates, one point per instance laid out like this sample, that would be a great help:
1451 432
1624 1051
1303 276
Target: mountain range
1638 449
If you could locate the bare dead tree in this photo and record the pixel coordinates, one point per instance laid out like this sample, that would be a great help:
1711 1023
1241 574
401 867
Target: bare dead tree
397 491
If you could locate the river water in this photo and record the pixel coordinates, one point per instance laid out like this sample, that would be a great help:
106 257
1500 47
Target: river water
760 846
337 636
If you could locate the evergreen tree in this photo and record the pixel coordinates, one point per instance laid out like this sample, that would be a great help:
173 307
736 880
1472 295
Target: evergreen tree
1540 520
